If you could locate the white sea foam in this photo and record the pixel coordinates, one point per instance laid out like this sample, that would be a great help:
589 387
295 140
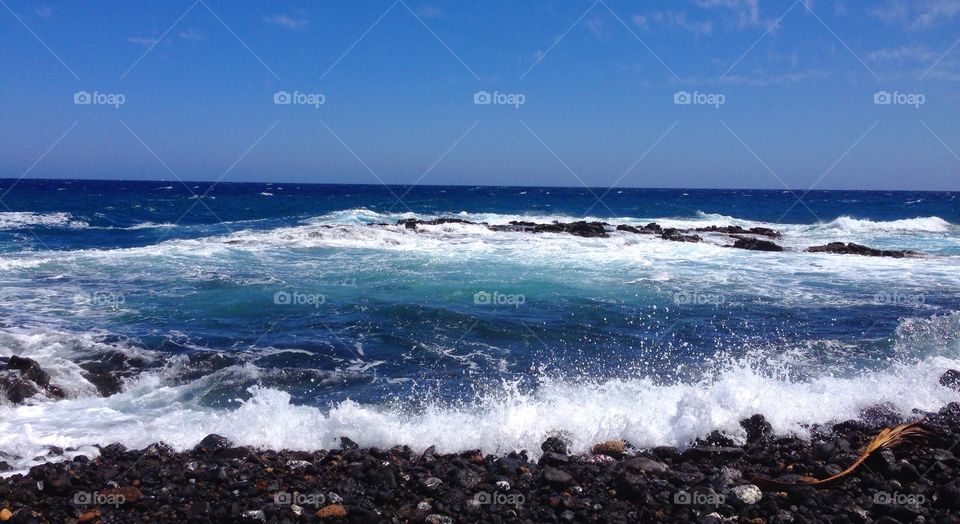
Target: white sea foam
644 413
847 224
25 220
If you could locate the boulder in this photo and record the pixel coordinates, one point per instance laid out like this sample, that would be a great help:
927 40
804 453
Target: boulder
856 249
755 244
951 379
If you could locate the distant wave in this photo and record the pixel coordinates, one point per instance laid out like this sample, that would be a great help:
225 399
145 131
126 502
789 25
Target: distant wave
856 225
12 220
26 220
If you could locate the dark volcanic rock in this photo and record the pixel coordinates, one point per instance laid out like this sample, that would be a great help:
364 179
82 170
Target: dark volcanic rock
650 229
412 223
29 369
737 230
213 442
677 235
881 415
756 426
580 228
22 378
556 477
951 379
554 445
17 389
755 244
701 452
857 249
108 371
646 465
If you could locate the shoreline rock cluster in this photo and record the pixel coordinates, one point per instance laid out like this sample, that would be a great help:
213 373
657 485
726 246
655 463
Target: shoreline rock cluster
742 238
714 480
22 378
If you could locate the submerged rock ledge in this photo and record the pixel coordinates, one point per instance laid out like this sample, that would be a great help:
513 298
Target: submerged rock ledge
743 238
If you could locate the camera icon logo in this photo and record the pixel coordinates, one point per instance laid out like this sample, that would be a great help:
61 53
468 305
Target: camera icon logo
682 98
882 98
82 98
282 298
282 498
282 98
82 498
482 297
482 98
682 497
482 497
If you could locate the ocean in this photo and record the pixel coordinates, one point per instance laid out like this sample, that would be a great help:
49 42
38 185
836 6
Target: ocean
288 315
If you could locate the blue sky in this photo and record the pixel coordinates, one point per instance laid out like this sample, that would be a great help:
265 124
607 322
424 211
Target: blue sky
784 93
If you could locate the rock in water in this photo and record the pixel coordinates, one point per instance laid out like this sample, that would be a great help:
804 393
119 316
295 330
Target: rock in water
30 370
951 379
757 427
554 445
856 249
213 442
755 244
676 235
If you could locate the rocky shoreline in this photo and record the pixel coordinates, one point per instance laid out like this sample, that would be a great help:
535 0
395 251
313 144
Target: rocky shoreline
714 480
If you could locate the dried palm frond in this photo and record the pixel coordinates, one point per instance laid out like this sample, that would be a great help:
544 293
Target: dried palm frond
888 438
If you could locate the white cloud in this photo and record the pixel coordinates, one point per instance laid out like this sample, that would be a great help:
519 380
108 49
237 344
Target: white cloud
915 53
428 11
596 26
287 21
764 78
142 40
192 33
918 14
746 12
674 20
45 12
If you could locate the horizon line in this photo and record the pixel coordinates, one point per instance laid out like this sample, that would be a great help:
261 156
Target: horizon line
376 184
